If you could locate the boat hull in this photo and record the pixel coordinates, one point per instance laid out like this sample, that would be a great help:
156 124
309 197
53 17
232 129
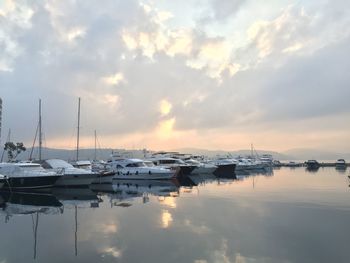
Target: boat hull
204 170
76 180
225 170
30 182
105 178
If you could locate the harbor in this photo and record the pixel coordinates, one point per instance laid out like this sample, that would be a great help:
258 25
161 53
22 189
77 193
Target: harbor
152 131
204 218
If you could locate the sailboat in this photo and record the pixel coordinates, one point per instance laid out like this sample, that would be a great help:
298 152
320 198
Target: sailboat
20 176
71 176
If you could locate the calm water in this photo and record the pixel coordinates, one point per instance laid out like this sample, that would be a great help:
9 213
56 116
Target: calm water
288 216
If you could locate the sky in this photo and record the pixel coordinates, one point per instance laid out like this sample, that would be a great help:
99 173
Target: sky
210 74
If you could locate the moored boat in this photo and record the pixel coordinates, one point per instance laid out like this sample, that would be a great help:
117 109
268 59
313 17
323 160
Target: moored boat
340 164
71 176
18 177
312 164
136 169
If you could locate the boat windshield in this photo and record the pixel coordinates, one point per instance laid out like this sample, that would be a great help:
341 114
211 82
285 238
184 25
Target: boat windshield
56 163
136 164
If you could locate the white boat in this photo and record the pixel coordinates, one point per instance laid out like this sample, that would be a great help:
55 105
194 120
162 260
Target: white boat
103 176
27 176
172 163
71 176
201 168
136 169
83 164
267 160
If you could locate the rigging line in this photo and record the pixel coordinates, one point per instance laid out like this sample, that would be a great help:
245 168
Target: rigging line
32 149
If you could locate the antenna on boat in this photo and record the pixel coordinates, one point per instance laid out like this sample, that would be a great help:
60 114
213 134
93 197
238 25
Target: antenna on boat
95 146
34 141
78 130
40 132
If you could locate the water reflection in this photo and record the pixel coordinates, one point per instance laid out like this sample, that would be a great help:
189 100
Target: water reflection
256 217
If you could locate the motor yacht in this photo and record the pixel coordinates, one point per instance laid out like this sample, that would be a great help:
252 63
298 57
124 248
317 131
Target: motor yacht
83 164
225 166
136 169
71 176
201 168
27 176
103 176
267 160
172 163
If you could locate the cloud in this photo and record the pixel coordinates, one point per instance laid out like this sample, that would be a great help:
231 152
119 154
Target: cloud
147 74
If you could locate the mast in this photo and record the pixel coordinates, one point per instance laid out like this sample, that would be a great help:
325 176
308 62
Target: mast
40 132
95 147
36 135
78 130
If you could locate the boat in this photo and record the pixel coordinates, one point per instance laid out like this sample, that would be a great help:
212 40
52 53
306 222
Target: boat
276 163
312 165
201 168
71 176
82 164
340 164
225 166
164 160
136 169
293 164
19 177
267 160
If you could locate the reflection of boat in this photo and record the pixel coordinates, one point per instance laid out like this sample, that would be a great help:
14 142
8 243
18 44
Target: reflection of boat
81 197
340 164
203 178
32 204
157 188
20 177
16 203
76 198
123 190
